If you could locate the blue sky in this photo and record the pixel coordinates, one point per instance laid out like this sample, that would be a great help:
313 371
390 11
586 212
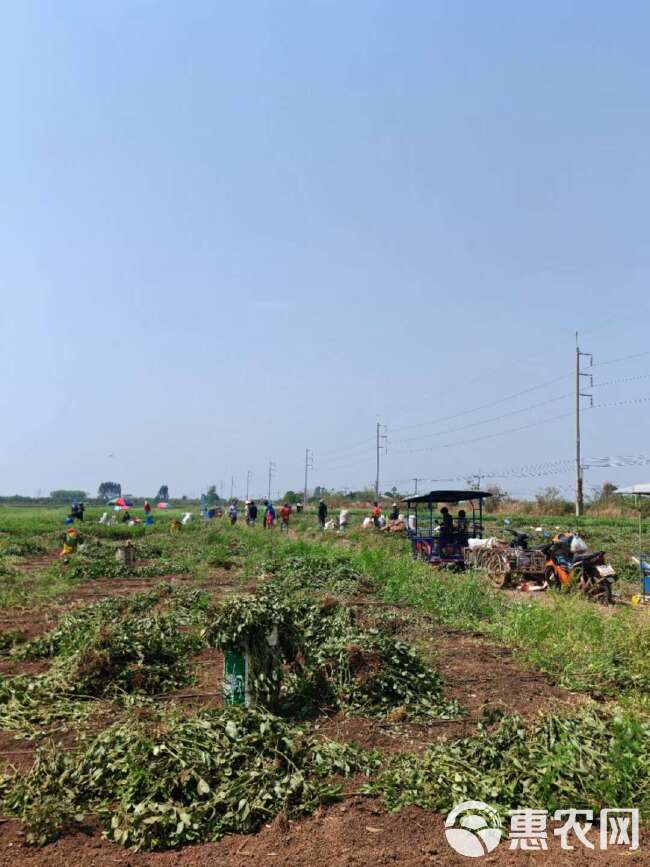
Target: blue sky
231 231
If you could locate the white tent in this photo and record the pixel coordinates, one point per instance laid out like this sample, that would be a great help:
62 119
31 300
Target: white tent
639 490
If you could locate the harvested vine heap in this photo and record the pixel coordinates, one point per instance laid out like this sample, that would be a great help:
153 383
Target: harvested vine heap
325 654
160 779
109 649
590 757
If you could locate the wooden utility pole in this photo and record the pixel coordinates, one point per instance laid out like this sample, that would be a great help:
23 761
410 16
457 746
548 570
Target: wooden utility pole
309 465
380 437
579 393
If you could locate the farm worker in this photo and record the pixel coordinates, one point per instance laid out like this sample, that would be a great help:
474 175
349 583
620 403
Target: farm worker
343 519
394 513
447 523
70 542
147 507
376 514
247 508
285 514
232 513
76 511
299 507
252 514
125 517
461 523
269 515
322 513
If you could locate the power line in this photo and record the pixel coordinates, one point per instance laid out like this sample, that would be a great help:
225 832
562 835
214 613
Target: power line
365 458
629 402
350 448
487 436
621 381
618 461
488 420
484 405
622 358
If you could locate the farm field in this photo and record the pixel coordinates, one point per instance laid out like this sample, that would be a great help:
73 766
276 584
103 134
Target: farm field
391 693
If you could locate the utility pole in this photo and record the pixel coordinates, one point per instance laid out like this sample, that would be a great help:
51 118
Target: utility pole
249 476
309 465
272 469
232 486
380 437
415 481
579 394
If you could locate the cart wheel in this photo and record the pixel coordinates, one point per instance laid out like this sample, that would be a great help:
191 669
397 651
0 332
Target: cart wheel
551 578
595 588
474 561
498 569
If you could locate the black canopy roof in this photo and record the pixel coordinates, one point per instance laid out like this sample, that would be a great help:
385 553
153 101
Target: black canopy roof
447 497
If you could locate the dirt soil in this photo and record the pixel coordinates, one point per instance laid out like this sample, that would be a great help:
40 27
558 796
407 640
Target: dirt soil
482 675
354 834
41 561
208 691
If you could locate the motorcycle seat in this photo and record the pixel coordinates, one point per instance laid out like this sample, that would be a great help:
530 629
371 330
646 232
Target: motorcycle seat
590 555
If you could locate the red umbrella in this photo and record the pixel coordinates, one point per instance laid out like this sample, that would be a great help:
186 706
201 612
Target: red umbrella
162 506
121 502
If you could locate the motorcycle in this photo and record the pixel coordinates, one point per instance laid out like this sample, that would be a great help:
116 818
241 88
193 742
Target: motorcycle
588 571
562 563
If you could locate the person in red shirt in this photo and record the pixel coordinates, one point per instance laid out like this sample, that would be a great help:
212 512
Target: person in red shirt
376 514
285 513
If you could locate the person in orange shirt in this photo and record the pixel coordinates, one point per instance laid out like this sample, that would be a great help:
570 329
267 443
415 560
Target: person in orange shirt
285 513
375 514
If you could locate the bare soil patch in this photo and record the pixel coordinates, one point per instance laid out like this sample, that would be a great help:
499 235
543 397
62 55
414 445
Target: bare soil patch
41 561
482 675
208 690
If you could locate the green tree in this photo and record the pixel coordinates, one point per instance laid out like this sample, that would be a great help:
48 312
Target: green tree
292 498
71 495
212 497
108 490
163 493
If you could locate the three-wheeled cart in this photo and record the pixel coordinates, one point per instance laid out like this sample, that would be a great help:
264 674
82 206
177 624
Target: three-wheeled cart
507 565
430 539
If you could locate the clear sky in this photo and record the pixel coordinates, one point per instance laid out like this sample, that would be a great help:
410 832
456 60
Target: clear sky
231 231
